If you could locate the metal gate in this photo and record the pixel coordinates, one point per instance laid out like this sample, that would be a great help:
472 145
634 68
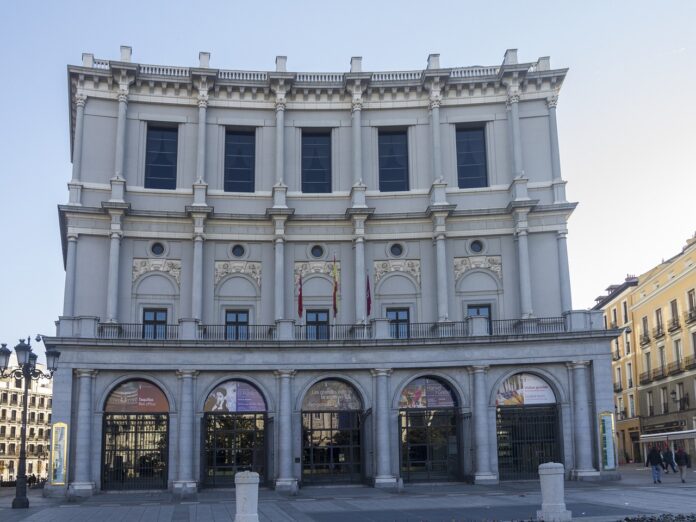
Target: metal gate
527 436
135 450
233 442
331 449
429 444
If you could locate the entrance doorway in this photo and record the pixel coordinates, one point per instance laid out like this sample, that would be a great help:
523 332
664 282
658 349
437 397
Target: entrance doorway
332 434
429 432
234 433
527 426
135 445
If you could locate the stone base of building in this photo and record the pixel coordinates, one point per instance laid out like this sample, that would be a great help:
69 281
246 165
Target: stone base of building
51 491
288 485
585 475
185 489
554 516
81 489
385 481
486 478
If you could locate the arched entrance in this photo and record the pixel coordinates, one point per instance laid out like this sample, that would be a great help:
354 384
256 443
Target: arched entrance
135 445
331 433
428 431
234 433
527 427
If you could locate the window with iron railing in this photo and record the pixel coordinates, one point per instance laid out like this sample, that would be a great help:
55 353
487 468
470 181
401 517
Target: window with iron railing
398 322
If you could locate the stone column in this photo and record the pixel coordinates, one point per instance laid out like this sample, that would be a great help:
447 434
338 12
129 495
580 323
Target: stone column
279 248
83 485
440 228
582 422
435 99
114 257
558 184
360 272
482 471
70 270
185 486
286 480
513 106
200 155
383 475
80 100
121 131
564 271
523 265
356 128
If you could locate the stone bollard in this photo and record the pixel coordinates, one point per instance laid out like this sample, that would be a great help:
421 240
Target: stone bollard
246 485
553 508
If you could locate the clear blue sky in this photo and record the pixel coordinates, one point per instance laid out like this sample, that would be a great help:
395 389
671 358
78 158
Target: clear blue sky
627 116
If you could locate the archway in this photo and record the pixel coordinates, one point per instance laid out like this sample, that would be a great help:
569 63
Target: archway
234 433
135 446
527 426
428 431
331 433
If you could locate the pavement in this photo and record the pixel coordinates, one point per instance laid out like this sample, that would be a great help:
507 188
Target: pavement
633 495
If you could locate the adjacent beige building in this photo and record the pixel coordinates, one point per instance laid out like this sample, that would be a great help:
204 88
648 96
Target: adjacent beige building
654 360
38 425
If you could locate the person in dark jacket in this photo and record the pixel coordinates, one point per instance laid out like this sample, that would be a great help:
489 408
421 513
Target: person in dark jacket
655 461
682 460
668 460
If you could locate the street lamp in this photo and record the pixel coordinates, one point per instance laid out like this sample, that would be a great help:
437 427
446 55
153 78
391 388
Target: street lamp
26 360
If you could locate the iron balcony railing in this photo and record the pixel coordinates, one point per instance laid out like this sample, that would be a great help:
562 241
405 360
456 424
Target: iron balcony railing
690 362
659 373
645 377
617 387
673 324
630 384
675 367
250 332
616 355
690 315
658 331
163 332
644 338
334 332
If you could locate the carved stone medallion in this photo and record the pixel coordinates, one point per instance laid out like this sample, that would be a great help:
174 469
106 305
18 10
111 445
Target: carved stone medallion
251 269
463 264
171 267
387 266
307 268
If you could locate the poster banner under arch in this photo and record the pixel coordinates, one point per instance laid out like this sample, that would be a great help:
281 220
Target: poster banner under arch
59 454
524 389
233 397
426 393
331 394
137 397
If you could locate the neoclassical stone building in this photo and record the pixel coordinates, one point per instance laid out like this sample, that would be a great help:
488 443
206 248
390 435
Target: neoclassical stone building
323 277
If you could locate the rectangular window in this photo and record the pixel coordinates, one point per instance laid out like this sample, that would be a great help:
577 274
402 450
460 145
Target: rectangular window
471 158
160 157
316 162
237 325
3 431
663 398
691 298
398 322
658 318
154 323
240 157
648 365
674 308
661 353
13 432
629 374
624 310
317 324
613 317
18 383
393 161
13 415
631 406
677 350
681 400
628 343
618 376
480 310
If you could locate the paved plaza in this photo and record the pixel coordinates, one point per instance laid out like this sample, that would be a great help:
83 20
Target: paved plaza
600 501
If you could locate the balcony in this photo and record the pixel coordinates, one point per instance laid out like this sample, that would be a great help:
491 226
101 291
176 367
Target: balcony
617 387
645 377
659 373
665 408
675 367
690 362
690 315
651 411
658 331
616 355
378 329
673 324
630 384
683 403
644 339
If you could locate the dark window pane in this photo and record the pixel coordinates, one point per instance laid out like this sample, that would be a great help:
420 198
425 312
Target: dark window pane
317 324
316 162
398 322
237 324
240 155
393 161
471 158
160 157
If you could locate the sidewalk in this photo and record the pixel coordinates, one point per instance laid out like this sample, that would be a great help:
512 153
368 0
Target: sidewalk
592 501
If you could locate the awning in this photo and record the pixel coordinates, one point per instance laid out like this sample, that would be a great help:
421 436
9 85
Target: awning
669 435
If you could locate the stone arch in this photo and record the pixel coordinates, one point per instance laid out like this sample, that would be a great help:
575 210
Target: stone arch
453 384
270 406
386 281
115 383
550 379
229 280
140 284
366 403
316 280
483 275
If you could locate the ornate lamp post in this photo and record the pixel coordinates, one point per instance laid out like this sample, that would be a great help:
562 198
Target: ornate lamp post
26 361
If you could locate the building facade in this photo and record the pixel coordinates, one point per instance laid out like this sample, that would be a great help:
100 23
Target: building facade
323 277
661 329
38 425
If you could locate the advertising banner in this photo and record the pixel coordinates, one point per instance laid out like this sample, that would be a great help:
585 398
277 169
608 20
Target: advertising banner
59 454
137 397
235 396
426 393
524 389
331 395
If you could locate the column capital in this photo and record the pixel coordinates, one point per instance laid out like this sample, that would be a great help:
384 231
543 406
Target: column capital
578 365
80 99
561 234
280 101
552 101
356 104
381 372
513 96
203 99
435 98
186 374
123 94
85 372
478 369
72 236
285 374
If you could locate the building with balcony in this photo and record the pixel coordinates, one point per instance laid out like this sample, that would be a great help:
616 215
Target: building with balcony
661 328
322 277
38 425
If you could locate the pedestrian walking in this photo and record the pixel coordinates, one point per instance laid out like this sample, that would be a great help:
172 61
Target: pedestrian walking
668 459
655 461
682 460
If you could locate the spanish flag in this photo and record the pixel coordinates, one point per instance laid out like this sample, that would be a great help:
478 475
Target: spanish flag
334 274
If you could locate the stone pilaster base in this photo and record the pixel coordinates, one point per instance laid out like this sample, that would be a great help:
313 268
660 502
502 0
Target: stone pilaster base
554 516
185 489
585 474
385 481
287 485
486 478
81 489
